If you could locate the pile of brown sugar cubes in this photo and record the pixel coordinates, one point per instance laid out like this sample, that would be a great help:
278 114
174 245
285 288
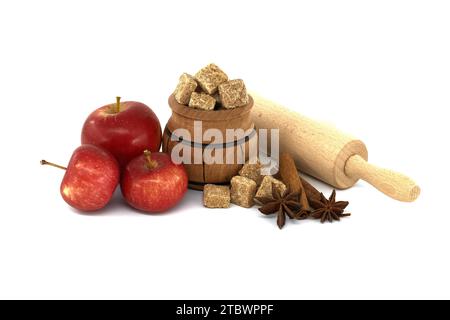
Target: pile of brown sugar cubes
210 89
250 183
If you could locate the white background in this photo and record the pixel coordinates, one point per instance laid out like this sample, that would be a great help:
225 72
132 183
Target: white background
377 69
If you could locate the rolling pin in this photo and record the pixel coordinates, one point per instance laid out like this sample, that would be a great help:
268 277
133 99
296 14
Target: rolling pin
328 154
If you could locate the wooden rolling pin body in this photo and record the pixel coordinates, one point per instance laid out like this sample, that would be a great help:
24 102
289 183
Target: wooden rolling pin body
328 154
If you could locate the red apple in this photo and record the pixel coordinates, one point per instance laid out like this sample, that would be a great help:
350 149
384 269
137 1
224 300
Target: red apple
153 183
125 129
91 178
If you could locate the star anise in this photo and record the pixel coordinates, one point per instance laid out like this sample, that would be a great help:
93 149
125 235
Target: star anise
302 214
283 205
329 209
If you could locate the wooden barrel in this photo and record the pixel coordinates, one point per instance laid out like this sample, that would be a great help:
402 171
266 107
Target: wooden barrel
237 147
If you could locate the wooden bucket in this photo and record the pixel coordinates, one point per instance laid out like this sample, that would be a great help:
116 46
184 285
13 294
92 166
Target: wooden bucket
202 173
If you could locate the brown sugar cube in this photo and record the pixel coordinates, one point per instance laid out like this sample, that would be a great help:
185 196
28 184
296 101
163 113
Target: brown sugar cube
202 101
252 171
242 191
186 85
265 190
233 94
210 77
216 196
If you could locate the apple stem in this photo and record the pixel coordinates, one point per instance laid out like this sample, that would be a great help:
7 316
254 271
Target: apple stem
44 162
118 104
151 164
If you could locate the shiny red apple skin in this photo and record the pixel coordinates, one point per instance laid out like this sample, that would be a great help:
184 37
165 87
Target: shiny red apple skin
91 178
125 134
154 190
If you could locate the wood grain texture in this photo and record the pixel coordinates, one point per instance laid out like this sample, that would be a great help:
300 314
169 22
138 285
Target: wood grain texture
318 149
328 154
393 184
184 117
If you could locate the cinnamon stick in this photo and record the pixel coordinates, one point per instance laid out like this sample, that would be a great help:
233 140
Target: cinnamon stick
311 192
289 175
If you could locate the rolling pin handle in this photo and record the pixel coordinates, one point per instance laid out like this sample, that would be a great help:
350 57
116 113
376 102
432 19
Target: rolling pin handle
393 184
